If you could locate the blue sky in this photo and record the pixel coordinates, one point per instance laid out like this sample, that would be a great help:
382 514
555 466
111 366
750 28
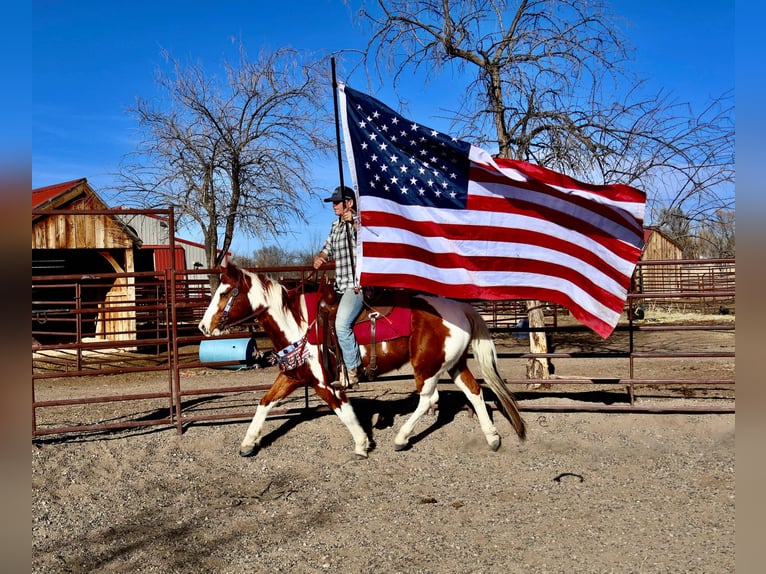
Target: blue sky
92 59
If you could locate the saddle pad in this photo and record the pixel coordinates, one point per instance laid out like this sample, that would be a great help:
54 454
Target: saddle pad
392 326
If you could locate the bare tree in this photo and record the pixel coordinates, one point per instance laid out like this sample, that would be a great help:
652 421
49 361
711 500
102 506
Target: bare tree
548 82
714 237
232 154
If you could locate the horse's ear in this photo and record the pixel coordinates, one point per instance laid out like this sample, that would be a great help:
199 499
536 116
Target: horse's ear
229 269
231 266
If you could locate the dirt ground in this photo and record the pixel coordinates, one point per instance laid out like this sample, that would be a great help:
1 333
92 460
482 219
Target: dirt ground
586 492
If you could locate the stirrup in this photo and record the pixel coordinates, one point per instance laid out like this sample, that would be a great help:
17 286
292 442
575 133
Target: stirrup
345 381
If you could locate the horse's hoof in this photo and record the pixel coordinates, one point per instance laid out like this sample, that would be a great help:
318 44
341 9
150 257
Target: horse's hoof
494 445
245 452
358 456
401 447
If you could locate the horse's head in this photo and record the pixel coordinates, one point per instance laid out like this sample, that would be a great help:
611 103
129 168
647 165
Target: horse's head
231 303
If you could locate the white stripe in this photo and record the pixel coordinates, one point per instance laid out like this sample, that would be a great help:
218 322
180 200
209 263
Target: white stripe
479 156
440 216
392 236
449 277
351 165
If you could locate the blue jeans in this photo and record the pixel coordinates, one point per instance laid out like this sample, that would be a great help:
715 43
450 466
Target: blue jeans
348 310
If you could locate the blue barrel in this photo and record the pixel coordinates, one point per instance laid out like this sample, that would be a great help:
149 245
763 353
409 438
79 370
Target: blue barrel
240 350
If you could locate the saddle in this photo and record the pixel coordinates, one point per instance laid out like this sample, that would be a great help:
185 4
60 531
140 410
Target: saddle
385 317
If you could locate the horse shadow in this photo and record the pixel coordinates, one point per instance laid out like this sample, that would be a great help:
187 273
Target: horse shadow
380 412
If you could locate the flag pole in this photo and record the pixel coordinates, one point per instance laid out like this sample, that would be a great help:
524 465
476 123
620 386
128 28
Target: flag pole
340 162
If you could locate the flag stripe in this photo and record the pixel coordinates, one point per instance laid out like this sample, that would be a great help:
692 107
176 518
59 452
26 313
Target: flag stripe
566 209
495 270
596 316
443 216
512 235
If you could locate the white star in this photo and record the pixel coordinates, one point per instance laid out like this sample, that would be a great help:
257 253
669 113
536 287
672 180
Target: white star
394 159
414 127
434 133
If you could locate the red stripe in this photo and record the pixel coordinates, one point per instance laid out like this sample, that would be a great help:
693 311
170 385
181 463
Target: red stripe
495 263
534 210
463 291
503 235
535 205
616 192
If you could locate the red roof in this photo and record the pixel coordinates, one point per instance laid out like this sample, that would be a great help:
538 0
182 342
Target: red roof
47 194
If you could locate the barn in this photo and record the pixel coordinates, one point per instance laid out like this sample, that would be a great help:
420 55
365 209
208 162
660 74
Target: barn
660 277
102 258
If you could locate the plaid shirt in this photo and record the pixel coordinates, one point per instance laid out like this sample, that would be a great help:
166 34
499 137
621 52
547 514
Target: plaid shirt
336 247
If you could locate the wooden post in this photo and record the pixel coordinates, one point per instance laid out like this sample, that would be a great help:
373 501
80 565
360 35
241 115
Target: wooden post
537 368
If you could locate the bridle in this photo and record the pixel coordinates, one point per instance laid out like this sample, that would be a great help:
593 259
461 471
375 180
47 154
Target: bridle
224 322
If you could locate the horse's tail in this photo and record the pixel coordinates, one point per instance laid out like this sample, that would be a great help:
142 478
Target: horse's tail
486 355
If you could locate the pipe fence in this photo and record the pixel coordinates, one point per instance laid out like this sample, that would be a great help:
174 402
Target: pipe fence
107 359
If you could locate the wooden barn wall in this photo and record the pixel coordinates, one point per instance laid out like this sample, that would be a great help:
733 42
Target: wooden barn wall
660 248
79 232
664 277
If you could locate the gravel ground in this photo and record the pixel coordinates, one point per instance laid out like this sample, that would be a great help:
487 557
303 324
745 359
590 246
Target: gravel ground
587 492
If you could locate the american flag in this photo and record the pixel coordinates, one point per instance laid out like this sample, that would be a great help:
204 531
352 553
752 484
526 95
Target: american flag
442 216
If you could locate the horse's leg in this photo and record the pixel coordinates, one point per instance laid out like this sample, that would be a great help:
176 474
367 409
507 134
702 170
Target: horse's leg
428 398
337 401
467 383
283 386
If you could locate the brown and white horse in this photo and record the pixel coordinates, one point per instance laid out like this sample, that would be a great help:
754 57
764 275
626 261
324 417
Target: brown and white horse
439 334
